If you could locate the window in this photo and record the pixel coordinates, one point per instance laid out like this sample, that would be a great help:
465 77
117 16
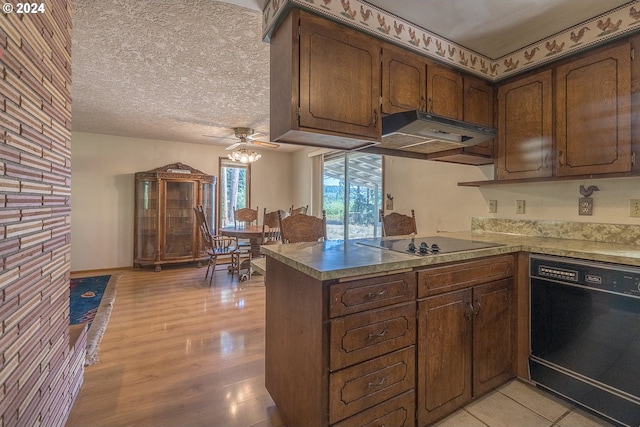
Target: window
352 195
234 189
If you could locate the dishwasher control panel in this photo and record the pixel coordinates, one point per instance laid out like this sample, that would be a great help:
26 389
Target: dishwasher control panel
615 278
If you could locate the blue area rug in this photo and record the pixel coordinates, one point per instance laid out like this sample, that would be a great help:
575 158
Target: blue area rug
86 294
90 302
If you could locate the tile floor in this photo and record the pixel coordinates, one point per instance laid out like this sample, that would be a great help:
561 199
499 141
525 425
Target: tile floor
520 404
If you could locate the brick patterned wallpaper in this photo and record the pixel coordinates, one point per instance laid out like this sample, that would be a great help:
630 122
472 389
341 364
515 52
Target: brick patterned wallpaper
39 373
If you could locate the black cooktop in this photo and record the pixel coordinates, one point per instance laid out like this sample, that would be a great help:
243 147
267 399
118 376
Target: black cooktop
426 245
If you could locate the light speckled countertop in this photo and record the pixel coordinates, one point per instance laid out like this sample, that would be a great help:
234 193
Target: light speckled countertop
339 259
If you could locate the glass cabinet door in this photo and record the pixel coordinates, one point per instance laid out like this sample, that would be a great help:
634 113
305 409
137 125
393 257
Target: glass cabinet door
208 198
179 219
147 219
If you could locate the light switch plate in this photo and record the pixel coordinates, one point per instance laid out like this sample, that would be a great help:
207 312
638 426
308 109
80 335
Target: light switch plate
493 206
519 206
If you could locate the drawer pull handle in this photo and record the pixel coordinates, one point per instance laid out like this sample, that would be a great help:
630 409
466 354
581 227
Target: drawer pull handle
377 294
378 335
378 384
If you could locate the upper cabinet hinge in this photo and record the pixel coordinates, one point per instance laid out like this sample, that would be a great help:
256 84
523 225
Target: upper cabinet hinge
633 158
298 112
299 31
633 54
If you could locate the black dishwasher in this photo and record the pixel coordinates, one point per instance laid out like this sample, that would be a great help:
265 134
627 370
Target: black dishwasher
585 334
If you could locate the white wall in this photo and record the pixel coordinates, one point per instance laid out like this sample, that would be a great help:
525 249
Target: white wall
431 189
102 190
559 200
103 169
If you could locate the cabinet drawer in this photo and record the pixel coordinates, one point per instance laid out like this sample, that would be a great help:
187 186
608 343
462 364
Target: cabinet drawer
367 384
365 294
397 412
363 336
463 275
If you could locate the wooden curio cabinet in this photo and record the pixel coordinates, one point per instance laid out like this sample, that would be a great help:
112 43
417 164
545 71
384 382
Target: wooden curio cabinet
165 230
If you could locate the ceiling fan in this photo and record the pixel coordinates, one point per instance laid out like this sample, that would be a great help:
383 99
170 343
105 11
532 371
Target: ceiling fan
248 137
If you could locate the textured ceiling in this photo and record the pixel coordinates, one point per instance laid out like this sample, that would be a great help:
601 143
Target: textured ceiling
169 69
177 70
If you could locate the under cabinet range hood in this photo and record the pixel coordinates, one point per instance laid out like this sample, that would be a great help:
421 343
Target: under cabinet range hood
423 132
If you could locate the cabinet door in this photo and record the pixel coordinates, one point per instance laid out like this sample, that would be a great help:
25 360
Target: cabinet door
525 128
445 90
493 335
478 108
444 354
593 117
339 79
146 217
403 81
179 228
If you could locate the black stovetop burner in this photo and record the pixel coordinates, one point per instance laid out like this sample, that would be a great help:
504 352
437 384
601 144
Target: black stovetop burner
426 245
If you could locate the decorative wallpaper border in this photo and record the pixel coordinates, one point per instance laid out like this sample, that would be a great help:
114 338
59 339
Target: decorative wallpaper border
368 18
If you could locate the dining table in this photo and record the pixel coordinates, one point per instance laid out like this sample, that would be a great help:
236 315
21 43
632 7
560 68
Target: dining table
251 232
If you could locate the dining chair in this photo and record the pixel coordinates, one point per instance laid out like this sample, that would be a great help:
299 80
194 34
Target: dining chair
245 216
271 226
216 246
201 218
395 224
303 228
300 210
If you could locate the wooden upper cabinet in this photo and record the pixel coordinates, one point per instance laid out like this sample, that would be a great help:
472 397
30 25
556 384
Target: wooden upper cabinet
525 127
325 84
445 91
404 79
478 108
593 113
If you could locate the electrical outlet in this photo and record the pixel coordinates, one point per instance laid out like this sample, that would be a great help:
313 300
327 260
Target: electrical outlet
585 206
493 206
634 208
519 206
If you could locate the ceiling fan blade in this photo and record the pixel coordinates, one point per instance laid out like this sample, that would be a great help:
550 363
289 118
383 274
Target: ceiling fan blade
255 135
234 146
266 144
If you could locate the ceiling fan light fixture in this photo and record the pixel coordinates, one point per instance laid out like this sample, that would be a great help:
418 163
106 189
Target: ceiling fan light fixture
244 155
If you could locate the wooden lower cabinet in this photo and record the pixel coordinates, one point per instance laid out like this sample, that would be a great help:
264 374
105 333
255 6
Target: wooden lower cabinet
465 347
398 349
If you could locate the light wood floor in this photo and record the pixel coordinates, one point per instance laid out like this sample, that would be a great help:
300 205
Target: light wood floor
177 352
180 353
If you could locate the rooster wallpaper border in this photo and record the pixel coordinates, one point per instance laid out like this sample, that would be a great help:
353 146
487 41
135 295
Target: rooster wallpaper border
368 18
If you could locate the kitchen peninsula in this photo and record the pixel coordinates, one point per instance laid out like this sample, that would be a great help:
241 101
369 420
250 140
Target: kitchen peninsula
356 333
